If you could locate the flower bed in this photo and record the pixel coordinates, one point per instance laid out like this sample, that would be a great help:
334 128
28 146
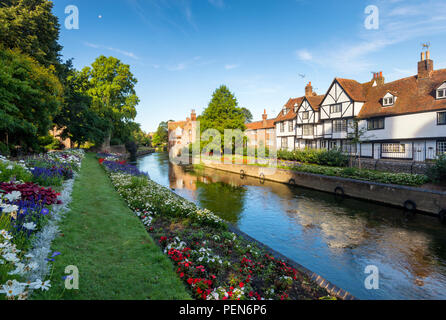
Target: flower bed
215 264
28 222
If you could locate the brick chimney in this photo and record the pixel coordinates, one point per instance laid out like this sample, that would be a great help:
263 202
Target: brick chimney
425 66
378 78
264 117
193 115
309 90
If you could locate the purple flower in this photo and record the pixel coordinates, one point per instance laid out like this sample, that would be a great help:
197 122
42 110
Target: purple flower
55 254
45 211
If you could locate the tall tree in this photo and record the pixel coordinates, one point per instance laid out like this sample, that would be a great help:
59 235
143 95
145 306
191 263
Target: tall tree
111 86
247 114
30 95
77 121
223 113
30 26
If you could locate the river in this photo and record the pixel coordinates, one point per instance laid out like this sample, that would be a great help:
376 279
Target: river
337 240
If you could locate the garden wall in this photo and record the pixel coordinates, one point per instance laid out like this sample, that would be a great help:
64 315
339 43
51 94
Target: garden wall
428 201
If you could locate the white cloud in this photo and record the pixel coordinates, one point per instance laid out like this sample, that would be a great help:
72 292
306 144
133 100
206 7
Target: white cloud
122 52
399 22
231 66
304 55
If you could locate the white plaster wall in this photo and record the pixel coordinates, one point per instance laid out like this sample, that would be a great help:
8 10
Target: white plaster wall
411 126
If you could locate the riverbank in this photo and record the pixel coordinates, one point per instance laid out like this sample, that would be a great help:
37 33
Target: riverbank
213 262
115 256
410 198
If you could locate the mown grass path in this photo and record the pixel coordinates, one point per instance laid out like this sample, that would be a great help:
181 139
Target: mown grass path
116 257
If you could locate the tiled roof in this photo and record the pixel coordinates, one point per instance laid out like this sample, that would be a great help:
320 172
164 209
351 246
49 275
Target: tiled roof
290 110
412 95
315 101
259 125
354 89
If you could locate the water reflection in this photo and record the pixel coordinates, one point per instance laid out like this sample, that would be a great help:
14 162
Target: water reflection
336 240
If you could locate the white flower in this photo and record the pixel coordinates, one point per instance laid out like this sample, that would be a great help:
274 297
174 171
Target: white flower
5 235
10 167
30 226
11 257
14 195
39 284
12 288
20 269
10 208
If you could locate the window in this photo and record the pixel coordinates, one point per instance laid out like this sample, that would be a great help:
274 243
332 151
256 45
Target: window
333 145
441 94
375 124
282 127
284 143
336 108
290 126
388 101
393 148
339 126
305 115
441 147
308 130
441 118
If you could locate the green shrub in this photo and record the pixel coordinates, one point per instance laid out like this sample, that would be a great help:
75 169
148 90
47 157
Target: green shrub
437 173
366 175
332 158
9 170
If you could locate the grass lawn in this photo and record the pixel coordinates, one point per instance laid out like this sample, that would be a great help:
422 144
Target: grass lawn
116 257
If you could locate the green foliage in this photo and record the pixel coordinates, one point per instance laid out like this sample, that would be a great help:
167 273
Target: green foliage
9 170
111 87
362 174
221 114
437 173
161 136
247 114
30 95
30 26
333 158
76 119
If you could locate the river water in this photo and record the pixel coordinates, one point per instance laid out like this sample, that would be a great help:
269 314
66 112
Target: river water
337 240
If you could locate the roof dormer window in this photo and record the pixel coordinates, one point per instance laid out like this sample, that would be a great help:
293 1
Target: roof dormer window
441 91
389 100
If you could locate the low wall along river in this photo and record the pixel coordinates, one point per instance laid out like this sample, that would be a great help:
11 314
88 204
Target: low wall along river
335 239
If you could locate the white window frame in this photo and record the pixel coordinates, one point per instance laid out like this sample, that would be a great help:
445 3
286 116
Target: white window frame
393 148
305 115
308 130
334 108
441 147
443 91
389 101
343 126
439 114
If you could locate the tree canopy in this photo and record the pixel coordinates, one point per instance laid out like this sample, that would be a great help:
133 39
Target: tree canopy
111 86
30 95
222 112
30 26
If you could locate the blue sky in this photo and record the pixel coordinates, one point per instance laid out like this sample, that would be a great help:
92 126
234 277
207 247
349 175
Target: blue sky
264 50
